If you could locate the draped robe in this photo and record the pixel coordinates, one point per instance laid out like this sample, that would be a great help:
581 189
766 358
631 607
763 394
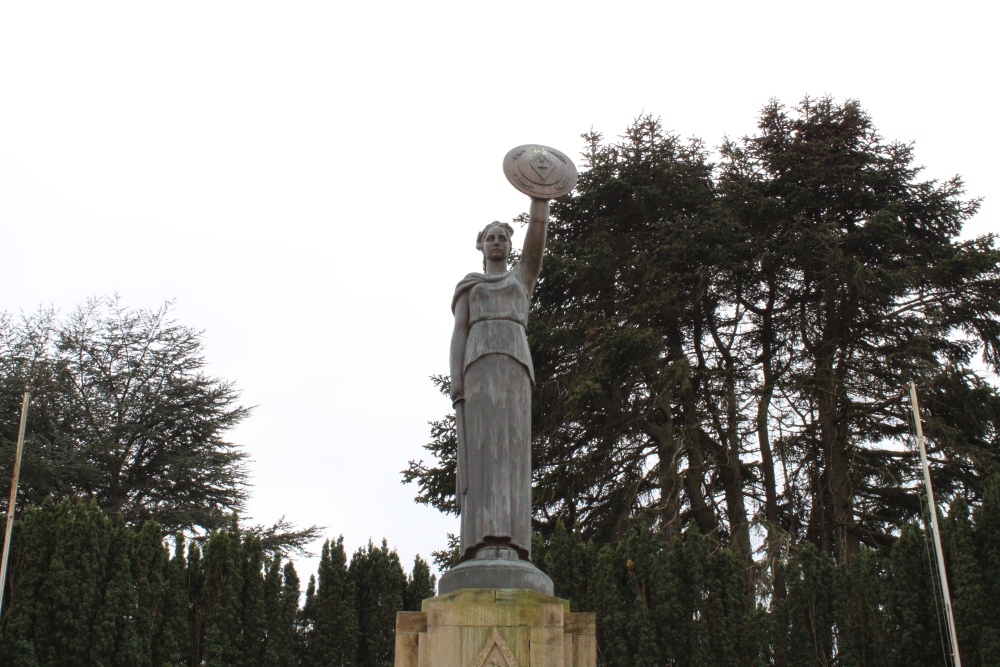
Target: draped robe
496 456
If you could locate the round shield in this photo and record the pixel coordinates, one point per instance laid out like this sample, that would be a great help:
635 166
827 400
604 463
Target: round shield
539 171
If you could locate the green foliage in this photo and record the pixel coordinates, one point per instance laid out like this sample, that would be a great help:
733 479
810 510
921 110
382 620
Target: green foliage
123 412
281 607
569 563
987 537
858 608
810 607
728 344
969 586
380 586
437 484
420 585
332 611
912 602
86 590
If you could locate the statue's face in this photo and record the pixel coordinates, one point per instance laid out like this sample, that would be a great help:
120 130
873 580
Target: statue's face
496 244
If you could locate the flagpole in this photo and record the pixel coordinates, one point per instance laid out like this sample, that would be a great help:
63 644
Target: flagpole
12 504
945 593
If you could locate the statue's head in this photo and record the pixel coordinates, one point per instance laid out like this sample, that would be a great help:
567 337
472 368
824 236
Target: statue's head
494 241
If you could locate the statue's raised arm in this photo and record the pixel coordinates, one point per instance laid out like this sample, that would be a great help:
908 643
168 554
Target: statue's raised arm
534 244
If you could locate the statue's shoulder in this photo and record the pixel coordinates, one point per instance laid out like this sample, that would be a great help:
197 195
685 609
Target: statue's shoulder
474 277
464 285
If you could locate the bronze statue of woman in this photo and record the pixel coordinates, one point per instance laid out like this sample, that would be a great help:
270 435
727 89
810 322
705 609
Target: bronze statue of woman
491 381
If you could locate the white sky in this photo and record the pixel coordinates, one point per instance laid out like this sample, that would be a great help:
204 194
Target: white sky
306 179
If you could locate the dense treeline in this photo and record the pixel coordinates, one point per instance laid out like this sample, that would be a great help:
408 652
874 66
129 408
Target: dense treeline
85 589
88 590
684 603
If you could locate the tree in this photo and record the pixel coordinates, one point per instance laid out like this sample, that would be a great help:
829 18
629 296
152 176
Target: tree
616 409
122 411
437 483
727 347
281 605
420 585
855 280
380 586
332 611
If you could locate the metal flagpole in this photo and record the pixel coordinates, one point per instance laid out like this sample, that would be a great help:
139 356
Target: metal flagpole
13 493
934 526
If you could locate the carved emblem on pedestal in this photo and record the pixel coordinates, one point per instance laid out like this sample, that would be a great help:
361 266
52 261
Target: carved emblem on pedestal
495 653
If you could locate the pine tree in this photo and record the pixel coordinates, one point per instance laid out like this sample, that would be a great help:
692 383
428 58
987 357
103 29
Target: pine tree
150 563
281 605
987 531
915 618
222 588
122 412
334 638
811 607
174 644
609 604
568 563
420 585
966 580
380 586
858 608
856 281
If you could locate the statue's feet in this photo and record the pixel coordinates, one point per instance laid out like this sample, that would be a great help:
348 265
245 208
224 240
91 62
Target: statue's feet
497 552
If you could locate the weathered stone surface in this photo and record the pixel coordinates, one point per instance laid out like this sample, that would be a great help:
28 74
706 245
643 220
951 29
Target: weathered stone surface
495 628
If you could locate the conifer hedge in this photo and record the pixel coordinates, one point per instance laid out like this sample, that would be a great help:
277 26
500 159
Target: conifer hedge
85 589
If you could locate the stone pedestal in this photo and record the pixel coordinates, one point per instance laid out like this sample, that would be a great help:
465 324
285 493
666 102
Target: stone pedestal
495 627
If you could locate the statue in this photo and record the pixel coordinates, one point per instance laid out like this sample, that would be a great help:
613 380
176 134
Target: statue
491 381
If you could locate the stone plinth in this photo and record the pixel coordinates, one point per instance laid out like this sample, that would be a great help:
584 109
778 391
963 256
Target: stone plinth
495 627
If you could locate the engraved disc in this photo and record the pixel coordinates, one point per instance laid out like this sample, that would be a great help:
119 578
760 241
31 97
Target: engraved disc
539 171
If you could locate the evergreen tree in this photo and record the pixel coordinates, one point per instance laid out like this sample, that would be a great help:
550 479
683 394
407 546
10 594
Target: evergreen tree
610 605
811 607
123 412
334 637
307 622
569 563
116 638
253 621
197 595
856 281
281 605
858 609
420 585
967 582
987 532
174 644
222 589
380 586
150 563
915 616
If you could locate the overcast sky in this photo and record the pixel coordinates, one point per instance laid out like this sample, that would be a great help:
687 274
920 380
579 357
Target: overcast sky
305 179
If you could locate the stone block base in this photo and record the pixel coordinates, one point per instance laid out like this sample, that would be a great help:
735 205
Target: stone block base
495 627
